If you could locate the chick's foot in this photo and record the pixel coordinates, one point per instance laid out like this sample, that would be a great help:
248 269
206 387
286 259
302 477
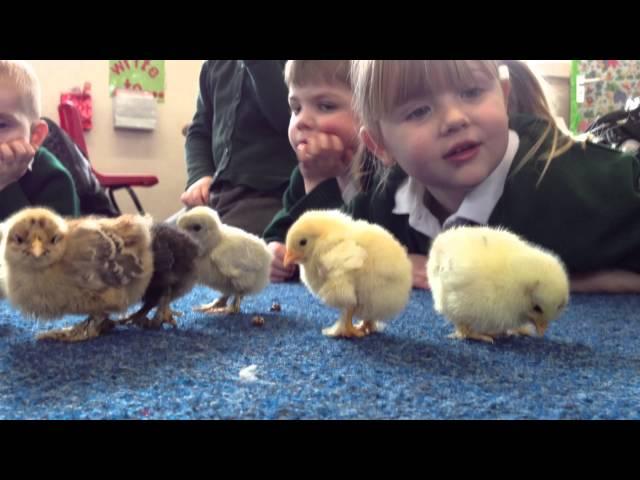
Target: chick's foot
217 307
463 333
163 316
344 327
92 327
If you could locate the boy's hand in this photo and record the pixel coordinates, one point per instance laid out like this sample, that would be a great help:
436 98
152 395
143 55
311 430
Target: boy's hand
197 193
15 157
322 157
419 263
279 273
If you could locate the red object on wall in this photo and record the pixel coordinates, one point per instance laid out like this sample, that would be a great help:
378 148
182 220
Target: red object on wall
81 99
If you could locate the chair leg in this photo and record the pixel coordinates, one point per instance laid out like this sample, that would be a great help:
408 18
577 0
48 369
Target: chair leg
134 197
113 201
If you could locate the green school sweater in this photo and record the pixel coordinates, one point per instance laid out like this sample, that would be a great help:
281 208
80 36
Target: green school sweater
48 184
586 208
239 130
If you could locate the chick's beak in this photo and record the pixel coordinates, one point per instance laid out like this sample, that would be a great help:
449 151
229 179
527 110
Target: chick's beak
37 248
541 326
291 257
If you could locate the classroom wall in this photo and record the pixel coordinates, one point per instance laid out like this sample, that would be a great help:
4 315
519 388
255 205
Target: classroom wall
160 152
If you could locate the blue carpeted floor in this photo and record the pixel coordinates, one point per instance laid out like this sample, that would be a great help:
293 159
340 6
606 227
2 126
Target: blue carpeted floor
587 367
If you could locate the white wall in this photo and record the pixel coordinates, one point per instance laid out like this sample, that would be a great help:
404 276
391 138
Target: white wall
160 152
556 73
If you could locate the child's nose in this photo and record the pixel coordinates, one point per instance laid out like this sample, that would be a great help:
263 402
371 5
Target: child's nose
454 119
304 120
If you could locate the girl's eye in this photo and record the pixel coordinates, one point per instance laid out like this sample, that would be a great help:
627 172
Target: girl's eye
418 113
295 109
473 92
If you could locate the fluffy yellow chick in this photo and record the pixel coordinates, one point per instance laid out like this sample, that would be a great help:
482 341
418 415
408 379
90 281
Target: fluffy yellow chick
230 260
91 266
489 282
352 265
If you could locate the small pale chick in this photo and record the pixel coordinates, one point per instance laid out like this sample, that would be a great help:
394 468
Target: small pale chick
174 275
88 266
352 265
490 282
231 261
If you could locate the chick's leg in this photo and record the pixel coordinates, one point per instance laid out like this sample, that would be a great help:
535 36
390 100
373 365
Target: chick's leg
220 306
463 332
163 314
92 327
344 326
138 318
367 326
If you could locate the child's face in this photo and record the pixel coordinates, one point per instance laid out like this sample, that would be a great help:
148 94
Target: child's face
322 108
451 140
14 124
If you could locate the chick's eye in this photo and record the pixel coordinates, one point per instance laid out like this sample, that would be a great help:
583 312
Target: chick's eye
18 239
537 309
303 242
55 239
196 228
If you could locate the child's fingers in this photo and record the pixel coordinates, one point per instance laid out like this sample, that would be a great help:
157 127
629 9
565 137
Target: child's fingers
203 194
6 153
24 151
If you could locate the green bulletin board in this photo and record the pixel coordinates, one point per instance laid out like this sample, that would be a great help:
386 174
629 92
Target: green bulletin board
144 75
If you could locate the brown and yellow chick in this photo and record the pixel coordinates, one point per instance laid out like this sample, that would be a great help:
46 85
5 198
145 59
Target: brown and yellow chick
232 261
174 275
88 266
490 282
352 265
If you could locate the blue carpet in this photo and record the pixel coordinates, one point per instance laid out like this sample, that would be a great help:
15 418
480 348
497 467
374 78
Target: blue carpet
586 367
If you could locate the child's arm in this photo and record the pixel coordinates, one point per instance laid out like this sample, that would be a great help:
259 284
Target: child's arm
419 271
198 150
606 281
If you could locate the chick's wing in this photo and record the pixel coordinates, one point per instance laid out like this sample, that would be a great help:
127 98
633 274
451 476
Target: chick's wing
343 257
99 258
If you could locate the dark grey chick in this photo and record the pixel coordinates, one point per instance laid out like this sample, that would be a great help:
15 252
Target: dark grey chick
174 275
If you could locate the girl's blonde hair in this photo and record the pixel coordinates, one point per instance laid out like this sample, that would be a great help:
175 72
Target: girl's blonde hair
308 72
381 85
21 77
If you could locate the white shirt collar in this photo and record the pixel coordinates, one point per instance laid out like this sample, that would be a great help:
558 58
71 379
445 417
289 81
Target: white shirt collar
476 207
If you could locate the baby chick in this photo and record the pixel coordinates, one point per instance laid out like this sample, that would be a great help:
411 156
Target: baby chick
232 261
174 275
489 282
352 265
92 266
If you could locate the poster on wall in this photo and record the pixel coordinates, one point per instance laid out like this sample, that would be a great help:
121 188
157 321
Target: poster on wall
141 75
599 87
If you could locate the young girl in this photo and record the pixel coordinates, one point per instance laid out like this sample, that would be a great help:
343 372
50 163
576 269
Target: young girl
458 149
323 132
